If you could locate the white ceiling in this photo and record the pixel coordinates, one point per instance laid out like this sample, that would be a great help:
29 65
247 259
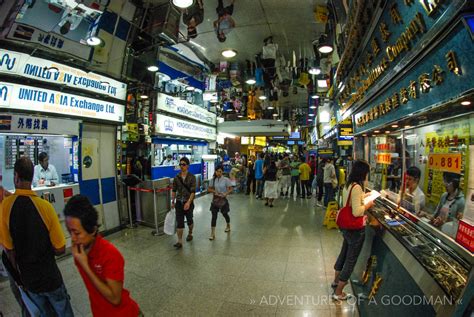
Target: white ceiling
290 22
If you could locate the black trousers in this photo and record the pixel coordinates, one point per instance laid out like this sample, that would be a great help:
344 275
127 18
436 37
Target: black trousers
181 214
305 188
320 190
351 247
215 211
295 180
221 10
251 185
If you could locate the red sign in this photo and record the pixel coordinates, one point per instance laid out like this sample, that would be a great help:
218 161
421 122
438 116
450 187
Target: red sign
383 158
384 147
465 235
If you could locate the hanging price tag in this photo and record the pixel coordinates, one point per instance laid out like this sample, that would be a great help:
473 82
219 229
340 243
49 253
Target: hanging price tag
445 162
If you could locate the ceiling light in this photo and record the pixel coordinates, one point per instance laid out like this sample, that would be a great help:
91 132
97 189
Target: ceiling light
365 134
311 114
394 125
315 96
190 88
183 4
387 132
376 131
93 41
279 119
144 97
325 48
314 71
251 82
229 53
466 103
407 127
322 83
312 107
270 108
153 68
275 114
263 97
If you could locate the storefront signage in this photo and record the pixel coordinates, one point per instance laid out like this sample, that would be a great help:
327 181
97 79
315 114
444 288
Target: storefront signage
184 108
24 65
37 125
345 133
403 25
442 75
383 158
465 235
446 162
178 127
27 33
28 98
314 136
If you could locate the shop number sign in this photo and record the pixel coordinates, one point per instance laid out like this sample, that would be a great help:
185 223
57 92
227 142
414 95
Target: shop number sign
446 162
384 158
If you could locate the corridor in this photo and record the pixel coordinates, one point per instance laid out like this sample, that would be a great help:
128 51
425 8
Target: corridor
275 261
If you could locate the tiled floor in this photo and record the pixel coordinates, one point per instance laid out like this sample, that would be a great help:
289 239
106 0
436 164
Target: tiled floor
276 261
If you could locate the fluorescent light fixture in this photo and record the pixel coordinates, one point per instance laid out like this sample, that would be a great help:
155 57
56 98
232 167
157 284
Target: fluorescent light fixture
324 117
229 53
93 41
376 131
152 68
325 49
143 96
387 132
315 97
279 119
270 108
466 103
394 125
275 114
314 71
183 4
407 127
322 83
190 88
263 97
251 82
311 114
312 107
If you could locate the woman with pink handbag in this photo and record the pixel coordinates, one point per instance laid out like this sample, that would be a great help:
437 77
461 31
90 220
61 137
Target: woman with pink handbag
351 221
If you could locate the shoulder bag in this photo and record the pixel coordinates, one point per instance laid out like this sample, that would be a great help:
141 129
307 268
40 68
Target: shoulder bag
218 201
346 220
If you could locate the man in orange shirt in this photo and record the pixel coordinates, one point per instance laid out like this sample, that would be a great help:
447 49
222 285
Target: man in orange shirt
31 235
100 264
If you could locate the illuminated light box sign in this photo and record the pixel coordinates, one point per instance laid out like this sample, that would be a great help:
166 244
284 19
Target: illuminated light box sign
446 162
28 98
24 65
383 158
177 127
19 123
184 108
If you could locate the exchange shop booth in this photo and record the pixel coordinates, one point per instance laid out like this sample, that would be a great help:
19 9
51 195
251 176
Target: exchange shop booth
414 124
70 114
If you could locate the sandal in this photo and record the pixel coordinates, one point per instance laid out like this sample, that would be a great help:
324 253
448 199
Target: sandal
334 285
189 237
178 245
212 237
341 297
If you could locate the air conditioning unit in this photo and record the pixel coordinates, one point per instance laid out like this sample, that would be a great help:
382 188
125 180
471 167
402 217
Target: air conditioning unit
163 23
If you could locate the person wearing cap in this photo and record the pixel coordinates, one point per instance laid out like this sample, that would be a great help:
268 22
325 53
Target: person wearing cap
192 17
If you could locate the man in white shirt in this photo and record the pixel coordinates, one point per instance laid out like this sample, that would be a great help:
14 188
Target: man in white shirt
168 161
45 173
412 188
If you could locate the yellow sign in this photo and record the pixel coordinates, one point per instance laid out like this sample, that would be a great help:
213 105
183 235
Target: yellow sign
261 140
384 158
446 162
331 215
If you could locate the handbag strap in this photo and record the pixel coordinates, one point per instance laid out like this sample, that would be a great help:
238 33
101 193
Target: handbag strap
350 193
184 185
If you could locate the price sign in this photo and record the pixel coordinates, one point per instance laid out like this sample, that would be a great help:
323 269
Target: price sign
446 162
383 158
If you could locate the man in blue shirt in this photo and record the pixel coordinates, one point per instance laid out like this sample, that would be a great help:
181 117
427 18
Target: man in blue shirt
259 175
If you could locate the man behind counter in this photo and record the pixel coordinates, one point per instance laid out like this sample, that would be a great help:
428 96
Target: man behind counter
45 173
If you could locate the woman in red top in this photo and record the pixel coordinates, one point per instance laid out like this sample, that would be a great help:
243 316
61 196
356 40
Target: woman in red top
100 264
